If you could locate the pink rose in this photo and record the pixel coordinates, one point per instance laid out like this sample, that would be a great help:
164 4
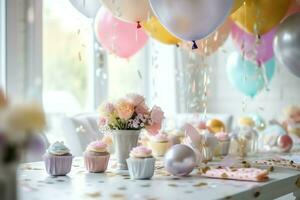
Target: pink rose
141 109
109 107
125 109
153 129
102 121
135 99
157 115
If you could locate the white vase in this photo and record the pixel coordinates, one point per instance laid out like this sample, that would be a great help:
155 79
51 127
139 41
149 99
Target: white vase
124 141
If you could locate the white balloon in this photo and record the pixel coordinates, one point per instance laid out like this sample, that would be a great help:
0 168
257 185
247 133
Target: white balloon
129 10
191 19
89 8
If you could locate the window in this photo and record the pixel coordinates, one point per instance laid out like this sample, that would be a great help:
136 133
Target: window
126 76
67 58
74 80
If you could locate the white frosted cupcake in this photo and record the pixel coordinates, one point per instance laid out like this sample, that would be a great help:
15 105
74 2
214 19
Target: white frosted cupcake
159 144
141 163
223 143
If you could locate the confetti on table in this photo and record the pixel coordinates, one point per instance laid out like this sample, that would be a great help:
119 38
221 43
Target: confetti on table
118 196
172 185
122 188
145 185
93 194
200 184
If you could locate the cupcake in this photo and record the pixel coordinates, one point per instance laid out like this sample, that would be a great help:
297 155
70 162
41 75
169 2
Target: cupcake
58 159
159 144
223 143
179 134
141 163
96 157
107 139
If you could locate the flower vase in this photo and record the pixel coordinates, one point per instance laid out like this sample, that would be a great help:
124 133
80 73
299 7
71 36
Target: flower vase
124 141
8 181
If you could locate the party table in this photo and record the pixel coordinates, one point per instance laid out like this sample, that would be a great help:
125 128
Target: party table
35 184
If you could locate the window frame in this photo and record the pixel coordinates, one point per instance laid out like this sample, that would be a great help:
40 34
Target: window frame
2 44
23 49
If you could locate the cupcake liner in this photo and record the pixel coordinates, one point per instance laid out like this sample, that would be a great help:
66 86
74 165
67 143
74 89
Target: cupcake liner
96 163
159 148
224 147
58 165
141 168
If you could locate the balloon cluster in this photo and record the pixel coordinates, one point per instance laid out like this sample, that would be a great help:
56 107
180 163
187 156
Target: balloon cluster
261 29
122 27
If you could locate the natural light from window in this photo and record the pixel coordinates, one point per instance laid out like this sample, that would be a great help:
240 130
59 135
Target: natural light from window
67 47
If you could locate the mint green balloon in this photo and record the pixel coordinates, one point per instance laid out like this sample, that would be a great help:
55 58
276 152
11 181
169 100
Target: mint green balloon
246 76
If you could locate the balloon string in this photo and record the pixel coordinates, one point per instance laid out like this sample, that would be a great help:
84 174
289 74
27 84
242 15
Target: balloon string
264 74
138 26
194 45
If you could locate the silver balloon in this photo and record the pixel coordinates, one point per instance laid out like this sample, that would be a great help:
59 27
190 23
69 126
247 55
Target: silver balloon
89 8
191 19
287 44
180 160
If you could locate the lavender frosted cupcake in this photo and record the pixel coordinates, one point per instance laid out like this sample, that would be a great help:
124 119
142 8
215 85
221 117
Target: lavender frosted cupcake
141 163
96 157
58 159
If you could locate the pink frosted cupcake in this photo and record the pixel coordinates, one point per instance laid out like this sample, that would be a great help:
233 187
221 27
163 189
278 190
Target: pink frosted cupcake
96 157
223 143
159 144
58 160
141 163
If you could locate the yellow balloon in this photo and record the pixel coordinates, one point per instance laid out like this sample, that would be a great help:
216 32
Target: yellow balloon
215 125
236 5
260 16
154 28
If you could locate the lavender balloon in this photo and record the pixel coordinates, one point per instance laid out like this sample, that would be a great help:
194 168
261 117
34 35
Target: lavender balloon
191 19
180 160
253 49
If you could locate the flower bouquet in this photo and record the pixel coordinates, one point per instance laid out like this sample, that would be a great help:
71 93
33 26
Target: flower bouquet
19 124
125 119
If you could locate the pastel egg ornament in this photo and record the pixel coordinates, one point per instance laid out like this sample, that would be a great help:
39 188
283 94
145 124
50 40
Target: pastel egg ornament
180 160
285 143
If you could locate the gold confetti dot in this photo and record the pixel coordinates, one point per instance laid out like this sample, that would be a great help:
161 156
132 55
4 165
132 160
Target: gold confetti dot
117 196
93 194
122 188
200 184
145 185
172 185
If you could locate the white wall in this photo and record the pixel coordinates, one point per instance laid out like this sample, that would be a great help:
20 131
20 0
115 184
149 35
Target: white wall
224 98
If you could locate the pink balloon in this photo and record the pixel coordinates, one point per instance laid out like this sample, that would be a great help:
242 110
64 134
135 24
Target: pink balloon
253 49
118 37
